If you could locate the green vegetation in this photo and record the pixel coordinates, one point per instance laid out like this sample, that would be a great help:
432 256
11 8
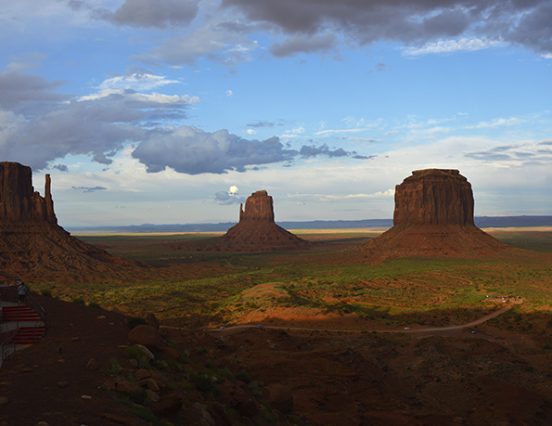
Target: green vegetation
332 278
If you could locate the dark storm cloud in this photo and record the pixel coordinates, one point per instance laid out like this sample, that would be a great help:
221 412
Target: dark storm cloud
18 88
304 43
156 13
144 13
413 22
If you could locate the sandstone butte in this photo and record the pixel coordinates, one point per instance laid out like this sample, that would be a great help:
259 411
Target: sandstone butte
256 230
32 244
433 217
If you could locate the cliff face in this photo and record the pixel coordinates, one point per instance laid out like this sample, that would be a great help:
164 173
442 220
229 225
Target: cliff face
33 245
258 207
257 230
18 200
433 216
434 197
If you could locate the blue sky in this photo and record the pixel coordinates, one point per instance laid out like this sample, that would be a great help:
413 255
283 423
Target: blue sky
149 111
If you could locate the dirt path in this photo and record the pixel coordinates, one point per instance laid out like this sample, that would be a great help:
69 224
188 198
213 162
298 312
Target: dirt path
404 330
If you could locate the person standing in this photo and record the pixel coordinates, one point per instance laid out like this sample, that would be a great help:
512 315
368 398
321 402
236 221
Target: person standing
22 291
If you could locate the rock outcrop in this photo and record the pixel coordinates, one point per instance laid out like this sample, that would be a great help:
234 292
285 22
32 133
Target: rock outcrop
32 244
433 216
256 230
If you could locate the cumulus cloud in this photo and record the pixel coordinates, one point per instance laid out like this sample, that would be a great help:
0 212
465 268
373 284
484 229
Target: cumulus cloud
98 125
102 124
193 151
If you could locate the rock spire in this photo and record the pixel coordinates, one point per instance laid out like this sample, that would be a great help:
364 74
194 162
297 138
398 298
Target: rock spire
32 244
256 230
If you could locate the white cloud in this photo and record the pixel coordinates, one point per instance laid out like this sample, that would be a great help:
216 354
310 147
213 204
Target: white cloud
154 98
293 133
497 122
136 81
331 132
229 93
250 132
449 46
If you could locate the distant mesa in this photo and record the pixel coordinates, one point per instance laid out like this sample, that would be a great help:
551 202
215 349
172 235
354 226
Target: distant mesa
32 244
433 217
256 230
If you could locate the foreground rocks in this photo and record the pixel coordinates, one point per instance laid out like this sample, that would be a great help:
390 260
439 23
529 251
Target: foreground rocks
434 216
257 230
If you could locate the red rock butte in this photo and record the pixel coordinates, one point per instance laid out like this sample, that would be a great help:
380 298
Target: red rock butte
32 244
256 230
433 216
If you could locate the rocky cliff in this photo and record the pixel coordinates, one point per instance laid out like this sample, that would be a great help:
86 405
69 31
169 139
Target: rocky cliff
433 216
256 230
434 197
33 245
18 200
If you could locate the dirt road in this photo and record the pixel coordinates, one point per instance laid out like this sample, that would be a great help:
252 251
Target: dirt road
404 330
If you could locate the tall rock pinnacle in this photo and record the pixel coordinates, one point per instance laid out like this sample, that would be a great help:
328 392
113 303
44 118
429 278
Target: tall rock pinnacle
434 216
32 244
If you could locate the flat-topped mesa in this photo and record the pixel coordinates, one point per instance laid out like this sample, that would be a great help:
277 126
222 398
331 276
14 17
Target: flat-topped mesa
433 217
18 200
258 207
434 197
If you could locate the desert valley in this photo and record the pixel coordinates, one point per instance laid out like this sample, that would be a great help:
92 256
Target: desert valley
432 322
275 213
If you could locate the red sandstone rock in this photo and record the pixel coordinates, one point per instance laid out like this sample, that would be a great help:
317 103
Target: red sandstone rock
433 217
434 196
258 207
32 244
257 230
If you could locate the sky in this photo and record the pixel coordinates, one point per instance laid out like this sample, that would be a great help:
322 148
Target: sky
173 111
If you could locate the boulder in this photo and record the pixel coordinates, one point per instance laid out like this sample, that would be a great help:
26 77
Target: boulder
147 336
